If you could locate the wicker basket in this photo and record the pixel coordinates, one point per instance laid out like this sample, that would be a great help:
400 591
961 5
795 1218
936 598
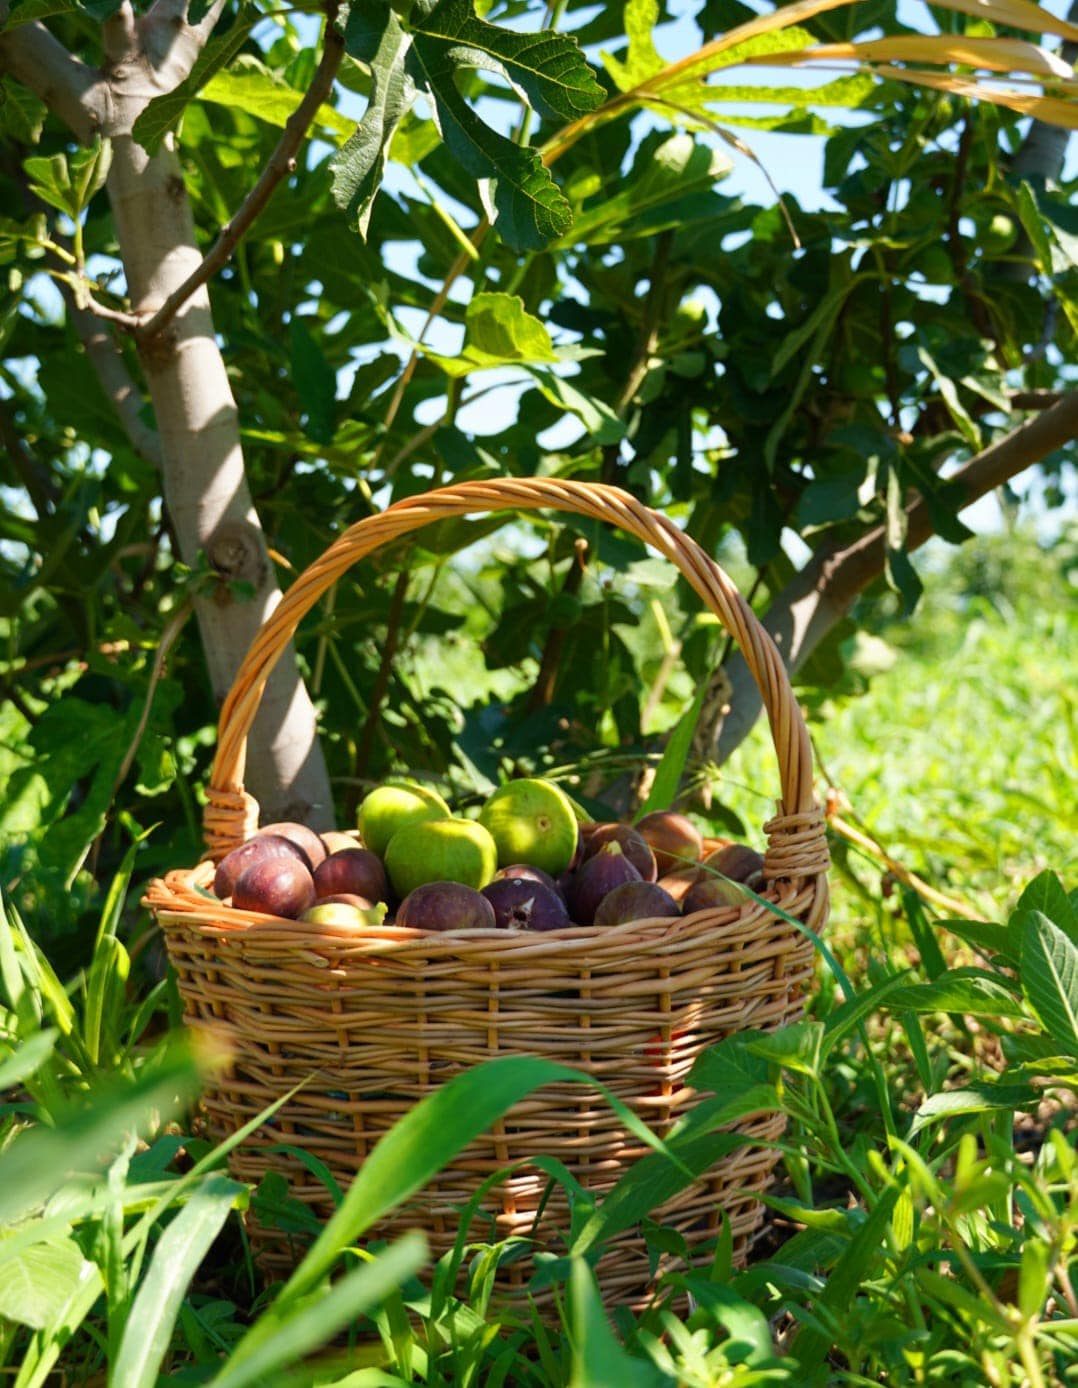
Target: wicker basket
371 1025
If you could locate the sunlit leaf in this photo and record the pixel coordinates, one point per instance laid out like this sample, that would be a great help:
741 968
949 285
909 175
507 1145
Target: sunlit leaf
250 86
163 113
498 331
374 35
1049 974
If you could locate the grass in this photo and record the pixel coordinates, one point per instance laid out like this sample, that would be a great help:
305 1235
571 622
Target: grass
962 757
915 1239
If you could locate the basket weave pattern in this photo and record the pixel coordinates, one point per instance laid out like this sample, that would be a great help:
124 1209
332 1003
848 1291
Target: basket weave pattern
370 1025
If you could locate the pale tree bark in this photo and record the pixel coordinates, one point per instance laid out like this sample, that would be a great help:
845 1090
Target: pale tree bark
204 483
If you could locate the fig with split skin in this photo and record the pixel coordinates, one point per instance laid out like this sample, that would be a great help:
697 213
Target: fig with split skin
523 903
445 906
635 901
275 886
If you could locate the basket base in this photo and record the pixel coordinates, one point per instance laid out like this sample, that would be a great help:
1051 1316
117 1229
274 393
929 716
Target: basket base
627 1271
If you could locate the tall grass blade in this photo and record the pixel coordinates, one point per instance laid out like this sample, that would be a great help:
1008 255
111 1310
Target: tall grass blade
286 1334
598 1360
812 1345
42 1160
28 1057
428 1137
179 1253
664 788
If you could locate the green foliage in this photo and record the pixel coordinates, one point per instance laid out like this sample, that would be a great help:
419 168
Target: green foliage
628 320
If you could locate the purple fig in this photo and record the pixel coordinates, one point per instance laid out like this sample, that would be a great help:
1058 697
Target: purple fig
737 861
594 878
712 893
531 874
255 850
445 906
306 840
632 844
523 903
354 870
276 886
675 840
635 901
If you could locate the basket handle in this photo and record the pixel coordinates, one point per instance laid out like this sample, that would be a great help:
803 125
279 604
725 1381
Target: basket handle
231 814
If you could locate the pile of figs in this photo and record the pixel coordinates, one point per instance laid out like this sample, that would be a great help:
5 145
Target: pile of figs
528 861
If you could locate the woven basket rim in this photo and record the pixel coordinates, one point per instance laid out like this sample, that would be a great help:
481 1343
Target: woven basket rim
178 894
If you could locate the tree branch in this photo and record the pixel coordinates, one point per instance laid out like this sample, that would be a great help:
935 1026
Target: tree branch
107 360
818 597
35 477
78 94
281 163
170 44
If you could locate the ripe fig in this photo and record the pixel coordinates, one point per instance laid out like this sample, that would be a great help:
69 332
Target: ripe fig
530 874
440 850
522 903
635 901
361 903
594 878
306 840
276 886
712 893
445 906
678 883
675 840
739 862
632 844
254 850
355 870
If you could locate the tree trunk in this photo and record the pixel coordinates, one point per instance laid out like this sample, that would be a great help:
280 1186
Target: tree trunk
204 484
